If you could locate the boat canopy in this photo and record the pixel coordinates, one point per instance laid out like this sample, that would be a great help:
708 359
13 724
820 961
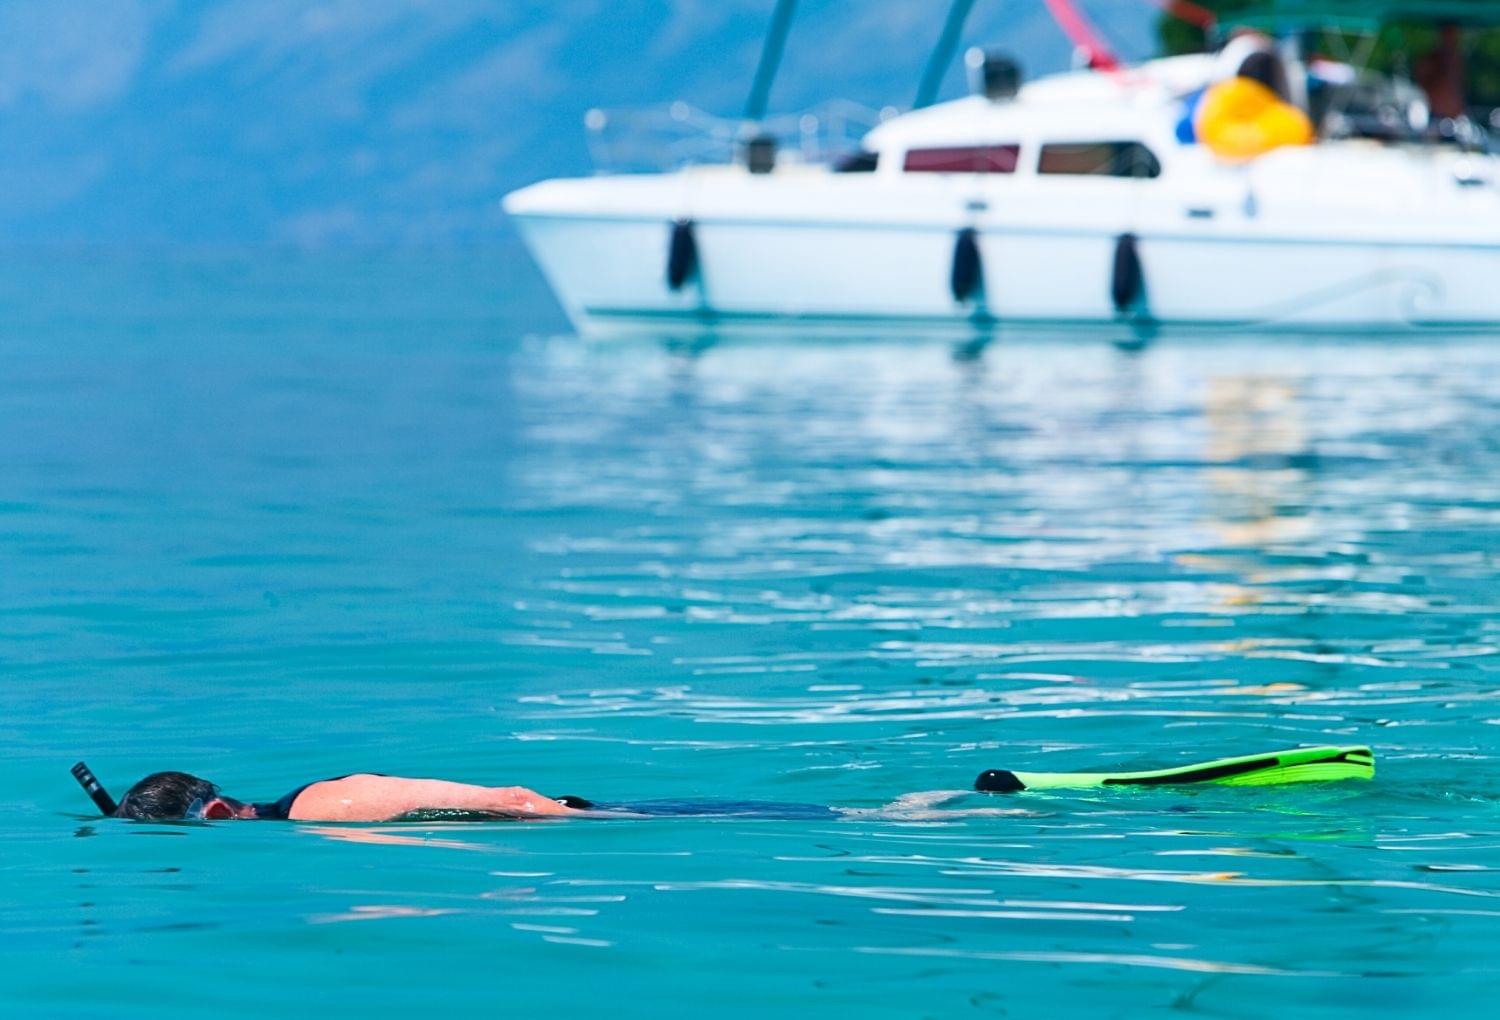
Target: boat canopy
1362 15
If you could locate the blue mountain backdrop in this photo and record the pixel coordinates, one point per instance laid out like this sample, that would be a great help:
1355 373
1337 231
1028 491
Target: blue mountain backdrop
321 122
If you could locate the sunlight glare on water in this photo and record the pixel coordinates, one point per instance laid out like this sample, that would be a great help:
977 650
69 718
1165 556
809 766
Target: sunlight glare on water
270 523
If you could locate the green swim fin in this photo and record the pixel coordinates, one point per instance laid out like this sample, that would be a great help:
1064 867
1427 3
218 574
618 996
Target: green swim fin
1300 765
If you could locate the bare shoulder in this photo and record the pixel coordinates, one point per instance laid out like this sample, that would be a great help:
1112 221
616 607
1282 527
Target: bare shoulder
360 797
372 798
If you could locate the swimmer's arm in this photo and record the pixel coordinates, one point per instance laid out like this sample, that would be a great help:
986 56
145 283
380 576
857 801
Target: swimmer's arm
367 798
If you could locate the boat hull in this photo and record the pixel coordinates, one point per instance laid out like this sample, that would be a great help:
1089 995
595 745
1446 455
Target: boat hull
782 259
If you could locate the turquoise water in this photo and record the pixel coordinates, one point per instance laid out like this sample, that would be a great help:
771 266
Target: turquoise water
270 518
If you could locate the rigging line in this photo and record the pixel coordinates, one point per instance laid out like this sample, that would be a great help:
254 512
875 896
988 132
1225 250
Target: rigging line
1186 11
1083 35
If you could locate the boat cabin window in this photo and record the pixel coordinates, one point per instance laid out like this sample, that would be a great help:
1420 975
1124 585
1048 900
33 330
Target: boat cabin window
967 159
1104 159
861 162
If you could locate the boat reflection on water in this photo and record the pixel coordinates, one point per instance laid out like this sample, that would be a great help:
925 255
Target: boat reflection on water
1242 469
1261 482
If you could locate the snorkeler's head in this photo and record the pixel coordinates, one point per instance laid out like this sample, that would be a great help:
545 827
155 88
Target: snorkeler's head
170 796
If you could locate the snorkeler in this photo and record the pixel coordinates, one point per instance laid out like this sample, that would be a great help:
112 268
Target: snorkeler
362 797
367 797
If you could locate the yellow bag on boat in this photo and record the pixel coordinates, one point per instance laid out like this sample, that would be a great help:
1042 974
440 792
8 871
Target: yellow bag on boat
1240 119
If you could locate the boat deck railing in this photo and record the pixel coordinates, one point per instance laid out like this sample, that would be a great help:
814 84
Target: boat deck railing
663 138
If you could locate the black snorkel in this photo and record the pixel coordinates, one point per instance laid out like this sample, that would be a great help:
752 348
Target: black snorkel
96 792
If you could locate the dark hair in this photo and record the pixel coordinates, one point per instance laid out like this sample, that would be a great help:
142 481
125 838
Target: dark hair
1267 68
165 795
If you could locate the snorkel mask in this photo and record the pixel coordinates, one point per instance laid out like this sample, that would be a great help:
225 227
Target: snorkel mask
217 807
92 787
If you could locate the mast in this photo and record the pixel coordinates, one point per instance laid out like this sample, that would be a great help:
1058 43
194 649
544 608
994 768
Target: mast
942 53
770 60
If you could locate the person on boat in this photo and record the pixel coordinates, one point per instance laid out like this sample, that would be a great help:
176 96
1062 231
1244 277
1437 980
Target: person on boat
1251 113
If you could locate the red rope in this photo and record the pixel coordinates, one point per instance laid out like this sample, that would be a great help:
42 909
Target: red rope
1186 10
1083 35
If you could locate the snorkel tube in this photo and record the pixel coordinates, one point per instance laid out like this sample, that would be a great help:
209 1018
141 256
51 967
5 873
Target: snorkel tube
94 789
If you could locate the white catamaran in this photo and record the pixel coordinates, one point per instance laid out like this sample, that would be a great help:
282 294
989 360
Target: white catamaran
1078 199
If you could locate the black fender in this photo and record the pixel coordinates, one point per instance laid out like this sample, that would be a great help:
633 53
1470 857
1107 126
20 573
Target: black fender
1128 282
967 277
682 254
